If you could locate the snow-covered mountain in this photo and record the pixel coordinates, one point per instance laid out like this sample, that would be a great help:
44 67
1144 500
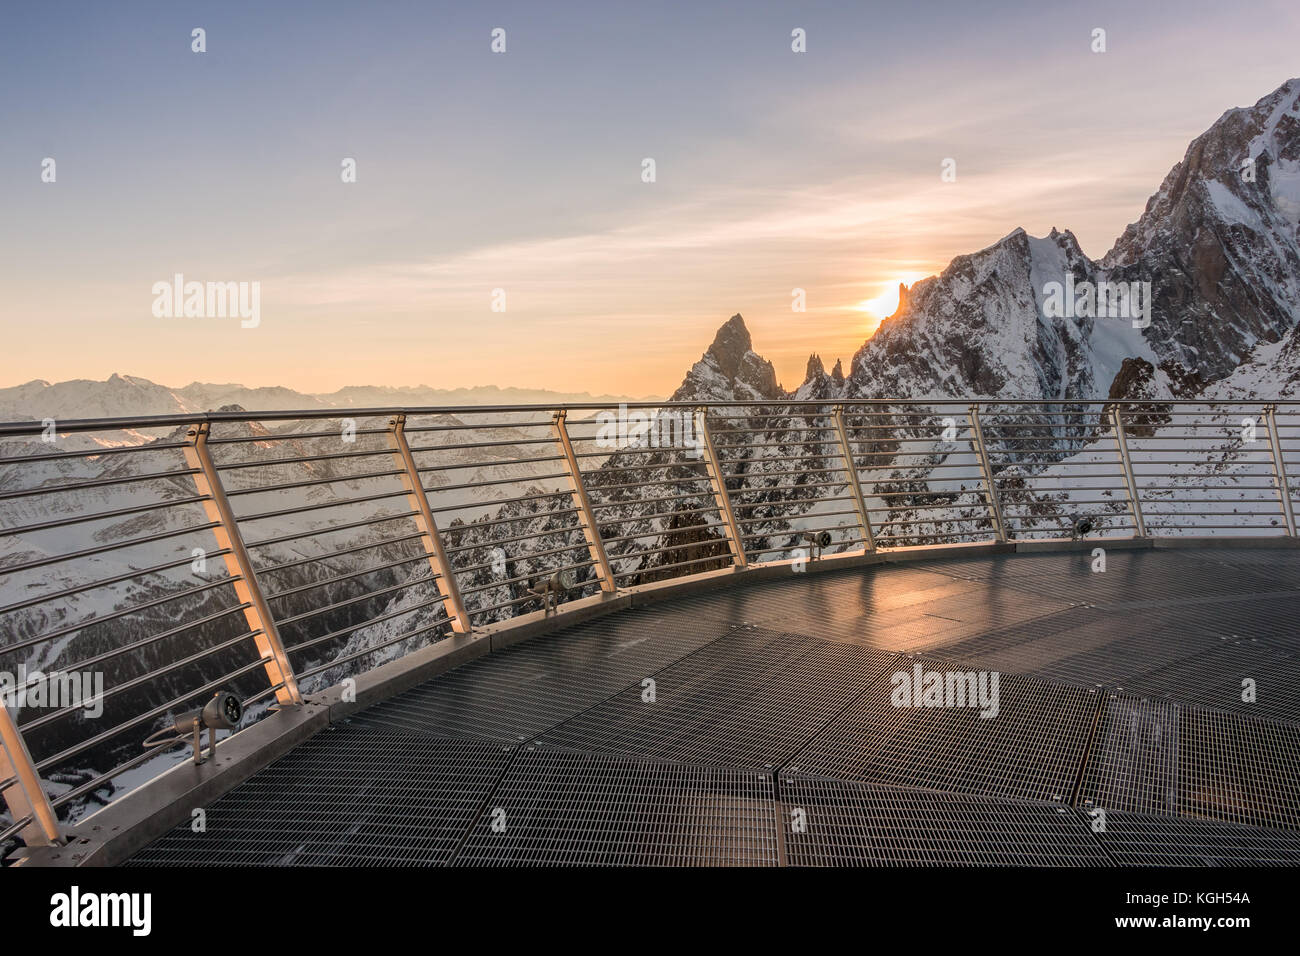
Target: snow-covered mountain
1220 240
1219 243
730 370
1216 262
983 328
126 396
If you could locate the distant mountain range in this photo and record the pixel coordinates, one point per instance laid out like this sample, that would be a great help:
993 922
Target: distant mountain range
123 396
1217 252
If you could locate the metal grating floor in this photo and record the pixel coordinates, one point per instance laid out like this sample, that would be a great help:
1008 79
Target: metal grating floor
1134 839
835 823
349 796
1215 678
1161 757
556 808
1119 691
751 700
519 692
1239 770
1132 577
1031 749
1133 763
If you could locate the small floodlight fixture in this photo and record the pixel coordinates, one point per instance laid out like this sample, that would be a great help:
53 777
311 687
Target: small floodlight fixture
551 588
817 540
1081 526
222 712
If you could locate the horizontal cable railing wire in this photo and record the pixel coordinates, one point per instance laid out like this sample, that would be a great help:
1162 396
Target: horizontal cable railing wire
298 548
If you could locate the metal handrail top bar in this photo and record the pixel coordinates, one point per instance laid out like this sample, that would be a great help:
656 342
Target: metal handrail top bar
35 427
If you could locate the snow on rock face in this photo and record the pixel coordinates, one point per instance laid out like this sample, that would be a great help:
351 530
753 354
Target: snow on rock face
1220 251
983 328
1219 240
730 370
1272 372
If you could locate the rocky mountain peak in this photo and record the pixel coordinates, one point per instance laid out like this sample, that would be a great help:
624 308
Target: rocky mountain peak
730 370
1219 242
730 346
902 297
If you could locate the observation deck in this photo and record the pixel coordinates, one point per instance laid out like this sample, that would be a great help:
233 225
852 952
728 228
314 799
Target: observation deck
788 634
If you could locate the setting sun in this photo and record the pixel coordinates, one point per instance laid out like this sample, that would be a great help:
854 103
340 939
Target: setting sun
885 304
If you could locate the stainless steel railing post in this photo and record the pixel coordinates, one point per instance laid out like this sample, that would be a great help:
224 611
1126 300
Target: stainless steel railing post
720 497
240 567
25 796
586 516
443 576
855 485
1279 470
1121 442
986 466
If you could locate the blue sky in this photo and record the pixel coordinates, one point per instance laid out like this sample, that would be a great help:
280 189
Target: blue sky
521 171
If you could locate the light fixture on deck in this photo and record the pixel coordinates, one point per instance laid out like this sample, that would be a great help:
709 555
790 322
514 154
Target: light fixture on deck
817 540
551 588
222 712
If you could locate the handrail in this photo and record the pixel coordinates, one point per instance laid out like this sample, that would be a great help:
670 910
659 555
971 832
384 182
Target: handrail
36 426
330 583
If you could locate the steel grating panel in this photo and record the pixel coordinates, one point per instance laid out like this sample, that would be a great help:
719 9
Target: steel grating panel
869 605
1134 839
1112 648
1215 678
930 626
1032 749
350 796
1159 649
893 608
1157 756
1239 770
1268 617
751 699
1081 645
836 823
1133 763
1131 576
557 808
514 694
883 587
1272 568
1245 613
807 597
1115 648
1002 646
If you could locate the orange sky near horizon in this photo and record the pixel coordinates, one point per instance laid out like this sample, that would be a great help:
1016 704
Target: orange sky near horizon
775 171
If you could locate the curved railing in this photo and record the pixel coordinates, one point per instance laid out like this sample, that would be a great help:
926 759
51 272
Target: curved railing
147 562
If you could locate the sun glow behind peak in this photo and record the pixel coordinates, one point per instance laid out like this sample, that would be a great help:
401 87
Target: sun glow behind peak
885 302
